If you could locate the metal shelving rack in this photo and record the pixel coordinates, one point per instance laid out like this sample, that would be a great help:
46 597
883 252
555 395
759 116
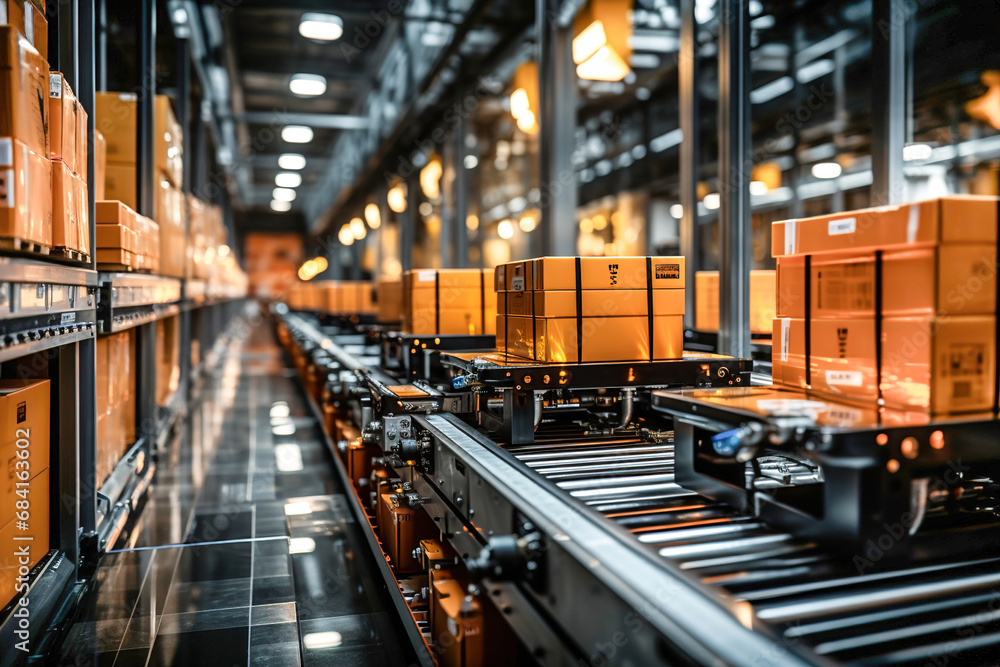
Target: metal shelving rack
60 310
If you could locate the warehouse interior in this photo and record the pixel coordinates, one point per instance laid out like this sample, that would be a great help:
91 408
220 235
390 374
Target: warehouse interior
465 333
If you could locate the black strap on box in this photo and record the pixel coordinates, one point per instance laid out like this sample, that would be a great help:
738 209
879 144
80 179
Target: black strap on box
437 302
649 306
807 324
579 311
482 301
878 325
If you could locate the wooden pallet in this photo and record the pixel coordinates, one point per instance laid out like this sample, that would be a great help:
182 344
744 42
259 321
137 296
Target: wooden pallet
71 255
22 246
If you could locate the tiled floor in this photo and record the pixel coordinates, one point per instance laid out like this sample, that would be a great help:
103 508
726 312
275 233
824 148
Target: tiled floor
247 552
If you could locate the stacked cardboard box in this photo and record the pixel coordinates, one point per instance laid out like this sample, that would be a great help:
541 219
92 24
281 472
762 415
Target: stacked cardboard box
100 166
584 309
24 427
761 301
68 150
116 395
347 298
896 304
389 300
449 301
168 355
125 239
28 18
25 167
116 122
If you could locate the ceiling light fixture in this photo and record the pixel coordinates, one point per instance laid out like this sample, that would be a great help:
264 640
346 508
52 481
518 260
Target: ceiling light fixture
281 206
283 194
321 27
358 229
373 216
297 134
288 179
307 85
505 229
712 201
396 198
345 236
292 161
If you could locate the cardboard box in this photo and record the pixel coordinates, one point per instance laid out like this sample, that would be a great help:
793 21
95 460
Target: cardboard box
168 354
762 301
67 228
33 538
120 183
604 338
389 299
24 427
788 354
115 117
83 200
594 303
64 126
957 219
169 215
24 82
25 193
100 166
941 365
83 143
559 273
29 19
448 301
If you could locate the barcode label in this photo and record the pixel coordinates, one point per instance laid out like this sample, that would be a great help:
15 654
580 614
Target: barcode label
67 318
844 226
7 152
426 276
517 284
844 378
55 86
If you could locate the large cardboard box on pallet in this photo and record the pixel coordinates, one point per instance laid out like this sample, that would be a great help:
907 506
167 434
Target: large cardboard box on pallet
169 215
117 241
70 229
116 396
115 117
449 301
24 91
25 194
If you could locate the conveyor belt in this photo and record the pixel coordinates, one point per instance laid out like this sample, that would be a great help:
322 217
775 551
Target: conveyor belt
928 614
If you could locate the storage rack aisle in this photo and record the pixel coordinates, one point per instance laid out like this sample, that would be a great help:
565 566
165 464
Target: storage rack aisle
104 335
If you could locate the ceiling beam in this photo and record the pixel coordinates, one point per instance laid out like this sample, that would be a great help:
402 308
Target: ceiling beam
315 120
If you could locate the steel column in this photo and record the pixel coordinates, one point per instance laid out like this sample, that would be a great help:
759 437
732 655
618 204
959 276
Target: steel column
735 163
889 111
557 123
460 187
184 120
85 86
689 158
408 221
145 158
446 244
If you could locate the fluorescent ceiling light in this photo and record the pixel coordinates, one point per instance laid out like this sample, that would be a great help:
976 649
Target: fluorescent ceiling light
667 140
297 134
769 91
307 85
814 70
826 170
321 27
292 161
288 179
713 201
283 194
758 188
471 162
281 206
677 211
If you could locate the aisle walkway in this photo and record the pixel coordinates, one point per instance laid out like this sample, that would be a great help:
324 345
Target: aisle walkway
246 552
